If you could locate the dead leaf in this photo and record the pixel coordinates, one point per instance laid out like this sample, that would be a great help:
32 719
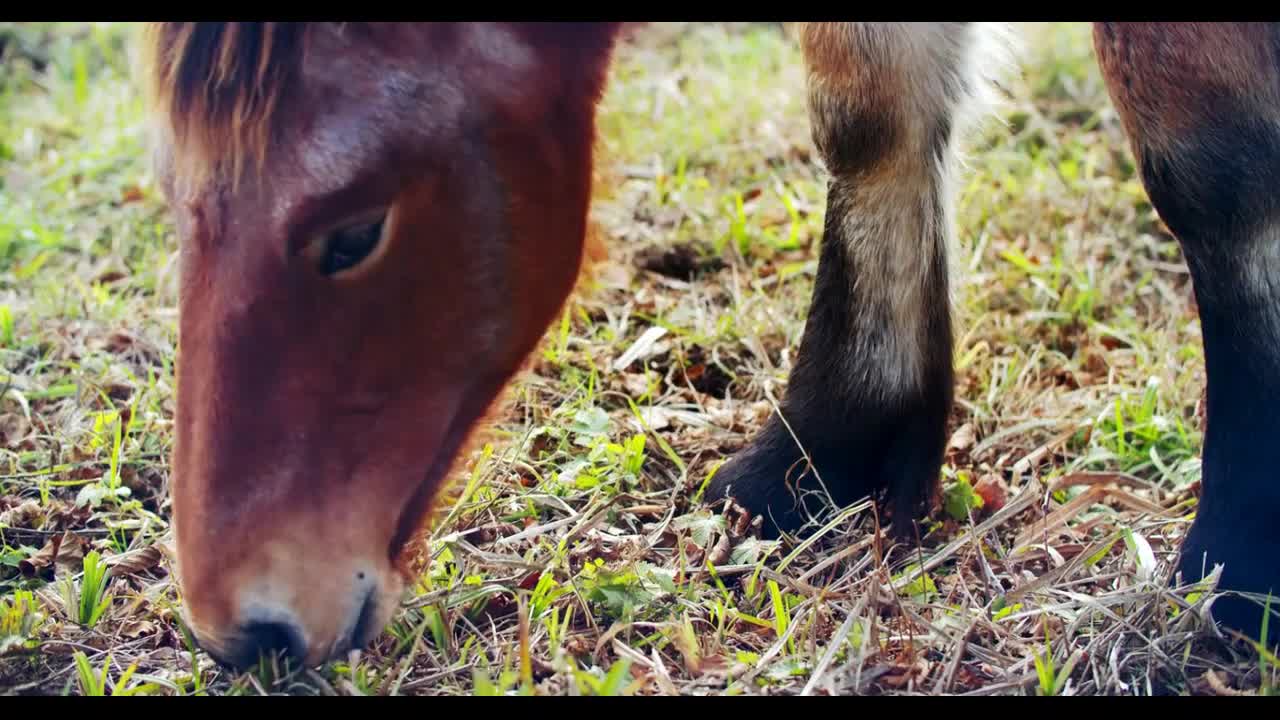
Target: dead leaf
1095 364
655 417
739 526
636 384
136 561
704 374
116 343
21 515
71 554
110 276
695 372
42 559
993 491
686 644
962 438
67 549
577 645
63 516
14 428
1068 379
901 675
720 553
1220 687
134 629
131 194
1112 342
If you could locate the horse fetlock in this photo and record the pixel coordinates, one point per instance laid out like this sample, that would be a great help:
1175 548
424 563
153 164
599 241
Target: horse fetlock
807 464
1246 552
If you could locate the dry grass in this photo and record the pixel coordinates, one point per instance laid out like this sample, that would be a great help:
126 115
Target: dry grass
580 560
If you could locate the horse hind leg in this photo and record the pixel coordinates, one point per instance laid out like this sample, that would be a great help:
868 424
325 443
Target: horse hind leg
1200 104
872 386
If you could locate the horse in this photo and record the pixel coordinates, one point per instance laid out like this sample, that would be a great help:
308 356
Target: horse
377 223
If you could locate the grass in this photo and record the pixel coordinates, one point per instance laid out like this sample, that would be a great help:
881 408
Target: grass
579 558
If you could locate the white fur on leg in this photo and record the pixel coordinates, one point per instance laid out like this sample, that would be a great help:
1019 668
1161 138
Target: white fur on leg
914 80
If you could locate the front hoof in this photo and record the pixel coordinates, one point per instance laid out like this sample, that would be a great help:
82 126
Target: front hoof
1250 565
796 491
779 486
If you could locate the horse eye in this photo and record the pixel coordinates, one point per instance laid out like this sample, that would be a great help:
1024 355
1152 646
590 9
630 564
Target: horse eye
347 247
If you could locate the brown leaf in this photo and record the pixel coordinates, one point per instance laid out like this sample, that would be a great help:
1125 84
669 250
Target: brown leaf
42 559
499 605
739 526
687 645
993 491
577 645
1095 364
1111 342
109 277
21 516
693 552
14 428
721 552
694 372
492 532
115 343
65 549
71 554
1220 686
63 516
901 675
1066 378
133 629
136 561
131 194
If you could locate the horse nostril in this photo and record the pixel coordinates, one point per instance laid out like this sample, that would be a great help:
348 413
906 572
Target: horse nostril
267 638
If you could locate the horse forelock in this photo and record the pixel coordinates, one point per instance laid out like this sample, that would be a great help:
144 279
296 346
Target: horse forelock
216 86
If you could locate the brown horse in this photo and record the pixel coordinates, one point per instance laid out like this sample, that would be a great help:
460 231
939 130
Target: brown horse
378 222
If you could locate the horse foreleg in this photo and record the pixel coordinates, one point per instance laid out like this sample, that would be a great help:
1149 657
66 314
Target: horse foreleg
868 398
1200 104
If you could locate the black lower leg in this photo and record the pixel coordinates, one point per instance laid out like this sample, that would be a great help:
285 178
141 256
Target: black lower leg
867 402
1201 107
862 415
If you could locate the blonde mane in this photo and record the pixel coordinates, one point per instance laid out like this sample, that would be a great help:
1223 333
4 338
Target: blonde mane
215 87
